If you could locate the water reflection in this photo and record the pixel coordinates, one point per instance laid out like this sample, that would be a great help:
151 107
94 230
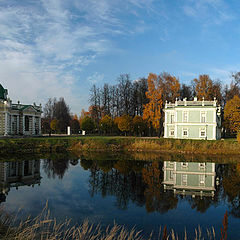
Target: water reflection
157 185
153 186
18 174
57 165
194 179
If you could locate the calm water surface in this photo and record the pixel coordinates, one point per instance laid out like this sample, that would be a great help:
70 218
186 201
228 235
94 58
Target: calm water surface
144 193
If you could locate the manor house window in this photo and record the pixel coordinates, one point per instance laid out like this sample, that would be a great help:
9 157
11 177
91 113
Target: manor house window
185 116
203 133
203 117
172 133
184 179
201 180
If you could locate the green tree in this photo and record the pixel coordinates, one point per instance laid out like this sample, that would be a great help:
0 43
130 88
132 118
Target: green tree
87 124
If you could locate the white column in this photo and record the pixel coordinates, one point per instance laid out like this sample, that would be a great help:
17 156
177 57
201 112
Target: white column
39 127
10 123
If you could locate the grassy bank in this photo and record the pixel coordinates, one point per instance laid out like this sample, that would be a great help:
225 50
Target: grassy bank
46 228
158 145
115 144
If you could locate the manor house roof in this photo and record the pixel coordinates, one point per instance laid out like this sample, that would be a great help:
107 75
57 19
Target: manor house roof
3 93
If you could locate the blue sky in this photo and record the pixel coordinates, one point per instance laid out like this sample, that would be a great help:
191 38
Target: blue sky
60 48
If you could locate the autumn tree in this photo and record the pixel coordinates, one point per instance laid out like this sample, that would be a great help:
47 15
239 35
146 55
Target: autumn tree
170 86
153 110
232 114
138 125
125 123
203 87
106 124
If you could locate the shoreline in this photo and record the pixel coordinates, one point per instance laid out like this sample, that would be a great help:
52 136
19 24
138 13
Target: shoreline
78 144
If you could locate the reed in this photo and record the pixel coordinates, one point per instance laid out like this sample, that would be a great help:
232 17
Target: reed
46 228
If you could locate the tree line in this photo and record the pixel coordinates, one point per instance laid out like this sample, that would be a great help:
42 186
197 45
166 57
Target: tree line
136 107
57 117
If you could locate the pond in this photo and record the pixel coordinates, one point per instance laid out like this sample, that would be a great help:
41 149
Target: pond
145 194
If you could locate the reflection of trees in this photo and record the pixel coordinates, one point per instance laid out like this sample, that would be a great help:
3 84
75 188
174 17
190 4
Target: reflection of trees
135 181
120 179
231 186
56 166
156 199
200 204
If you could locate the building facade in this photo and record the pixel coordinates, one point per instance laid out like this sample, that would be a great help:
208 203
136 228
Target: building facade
190 178
18 119
192 119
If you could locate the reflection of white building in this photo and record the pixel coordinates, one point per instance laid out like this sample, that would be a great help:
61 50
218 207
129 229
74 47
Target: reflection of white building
16 174
190 178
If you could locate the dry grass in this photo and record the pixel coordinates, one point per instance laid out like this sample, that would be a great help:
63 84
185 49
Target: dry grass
185 146
143 145
45 228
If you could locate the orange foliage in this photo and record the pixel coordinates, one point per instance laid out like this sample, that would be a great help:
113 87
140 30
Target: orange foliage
204 87
171 87
151 177
152 110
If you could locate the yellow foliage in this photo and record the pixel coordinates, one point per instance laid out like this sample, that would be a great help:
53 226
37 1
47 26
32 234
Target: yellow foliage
124 123
232 114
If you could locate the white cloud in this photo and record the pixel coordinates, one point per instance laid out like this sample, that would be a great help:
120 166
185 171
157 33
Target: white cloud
208 11
95 78
44 45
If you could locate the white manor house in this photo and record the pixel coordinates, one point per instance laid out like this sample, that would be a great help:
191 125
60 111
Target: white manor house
18 119
193 119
